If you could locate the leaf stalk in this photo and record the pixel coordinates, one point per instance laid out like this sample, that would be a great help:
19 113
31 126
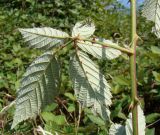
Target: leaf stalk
113 45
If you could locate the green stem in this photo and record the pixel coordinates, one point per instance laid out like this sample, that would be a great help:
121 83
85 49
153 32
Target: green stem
112 45
133 68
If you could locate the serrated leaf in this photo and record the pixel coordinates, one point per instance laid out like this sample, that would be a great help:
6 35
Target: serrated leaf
99 51
38 88
43 38
101 110
151 11
117 129
83 29
90 86
141 123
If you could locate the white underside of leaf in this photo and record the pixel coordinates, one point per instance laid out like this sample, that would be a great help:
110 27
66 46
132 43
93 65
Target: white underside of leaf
99 51
141 123
43 38
151 11
83 29
90 86
117 129
39 86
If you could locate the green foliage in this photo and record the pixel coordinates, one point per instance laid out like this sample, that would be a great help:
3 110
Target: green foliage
152 117
63 15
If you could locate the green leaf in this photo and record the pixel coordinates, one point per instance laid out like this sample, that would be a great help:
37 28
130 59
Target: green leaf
121 80
70 96
156 75
43 38
150 131
71 108
60 120
155 50
48 116
83 29
151 11
152 117
90 86
50 107
38 88
96 120
99 51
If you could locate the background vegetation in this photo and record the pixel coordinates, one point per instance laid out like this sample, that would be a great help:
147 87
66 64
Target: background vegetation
112 21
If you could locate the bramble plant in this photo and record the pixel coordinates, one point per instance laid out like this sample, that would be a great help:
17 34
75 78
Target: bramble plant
41 82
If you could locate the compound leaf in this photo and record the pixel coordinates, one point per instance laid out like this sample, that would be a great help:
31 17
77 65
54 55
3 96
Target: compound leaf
38 88
43 38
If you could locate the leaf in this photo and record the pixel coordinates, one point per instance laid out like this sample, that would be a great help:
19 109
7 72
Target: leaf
50 107
60 120
156 75
96 120
117 129
48 116
90 86
152 117
121 80
155 50
99 51
151 11
43 38
141 123
83 29
39 86
150 131
70 96
71 108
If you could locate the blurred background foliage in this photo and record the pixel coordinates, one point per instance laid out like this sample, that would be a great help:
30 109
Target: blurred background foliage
112 22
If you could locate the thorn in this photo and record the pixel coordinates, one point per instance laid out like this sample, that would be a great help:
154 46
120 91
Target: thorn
131 106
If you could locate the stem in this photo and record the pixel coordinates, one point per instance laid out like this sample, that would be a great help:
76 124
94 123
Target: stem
112 45
133 69
79 118
6 108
